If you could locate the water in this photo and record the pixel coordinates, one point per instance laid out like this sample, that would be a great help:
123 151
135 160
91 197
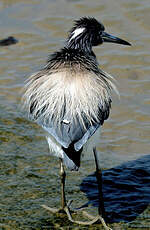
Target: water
126 190
28 175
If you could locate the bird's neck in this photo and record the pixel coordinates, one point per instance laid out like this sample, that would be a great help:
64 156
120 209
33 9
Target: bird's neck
85 51
82 45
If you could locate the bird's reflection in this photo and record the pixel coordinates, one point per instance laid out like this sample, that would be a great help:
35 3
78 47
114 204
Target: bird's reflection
126 189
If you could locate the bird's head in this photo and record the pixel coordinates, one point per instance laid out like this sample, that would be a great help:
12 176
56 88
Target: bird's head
88 32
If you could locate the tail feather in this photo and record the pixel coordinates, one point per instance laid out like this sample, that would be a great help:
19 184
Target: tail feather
73 155
71 158
69 163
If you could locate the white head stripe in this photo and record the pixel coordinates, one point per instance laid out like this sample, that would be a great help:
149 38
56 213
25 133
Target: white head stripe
77 32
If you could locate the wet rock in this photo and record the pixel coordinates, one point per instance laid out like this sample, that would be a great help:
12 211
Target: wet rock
8 41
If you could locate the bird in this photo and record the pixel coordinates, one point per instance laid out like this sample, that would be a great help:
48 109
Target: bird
71 97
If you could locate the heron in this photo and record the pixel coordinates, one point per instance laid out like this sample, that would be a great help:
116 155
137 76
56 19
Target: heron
70 98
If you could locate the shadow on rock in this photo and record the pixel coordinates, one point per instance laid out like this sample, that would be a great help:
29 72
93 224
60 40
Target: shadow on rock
126 190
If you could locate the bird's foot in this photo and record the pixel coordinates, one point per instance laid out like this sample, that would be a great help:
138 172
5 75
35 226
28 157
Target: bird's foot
69 211
60 210
53 210
92 219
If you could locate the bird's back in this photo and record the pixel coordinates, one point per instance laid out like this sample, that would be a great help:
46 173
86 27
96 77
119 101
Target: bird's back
70 86
70 98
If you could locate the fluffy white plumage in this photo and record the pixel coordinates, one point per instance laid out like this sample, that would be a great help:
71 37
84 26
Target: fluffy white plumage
80 91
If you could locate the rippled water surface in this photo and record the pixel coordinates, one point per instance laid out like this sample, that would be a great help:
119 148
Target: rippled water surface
28 175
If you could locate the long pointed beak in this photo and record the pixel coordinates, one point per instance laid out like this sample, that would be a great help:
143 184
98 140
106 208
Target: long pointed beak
110 38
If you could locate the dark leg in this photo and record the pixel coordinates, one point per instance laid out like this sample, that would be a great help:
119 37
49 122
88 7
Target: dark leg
62 176
101 208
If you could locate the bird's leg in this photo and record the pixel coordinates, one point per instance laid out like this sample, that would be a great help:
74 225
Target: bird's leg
101 208
62 176
63 198
65 207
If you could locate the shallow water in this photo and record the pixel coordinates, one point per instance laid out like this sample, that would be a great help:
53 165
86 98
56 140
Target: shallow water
28 175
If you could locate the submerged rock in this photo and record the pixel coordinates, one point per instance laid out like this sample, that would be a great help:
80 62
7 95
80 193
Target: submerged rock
8 41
